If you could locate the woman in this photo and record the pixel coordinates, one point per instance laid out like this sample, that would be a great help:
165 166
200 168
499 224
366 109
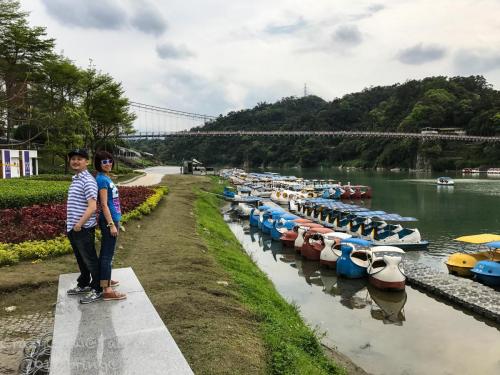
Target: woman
109 220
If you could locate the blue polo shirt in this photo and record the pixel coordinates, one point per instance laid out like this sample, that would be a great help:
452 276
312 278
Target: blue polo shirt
104 182
82 188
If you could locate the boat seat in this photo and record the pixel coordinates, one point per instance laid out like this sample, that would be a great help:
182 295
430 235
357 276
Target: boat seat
384 234
405 232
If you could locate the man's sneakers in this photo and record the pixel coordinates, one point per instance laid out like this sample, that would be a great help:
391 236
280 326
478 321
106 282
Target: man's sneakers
92 296
78 290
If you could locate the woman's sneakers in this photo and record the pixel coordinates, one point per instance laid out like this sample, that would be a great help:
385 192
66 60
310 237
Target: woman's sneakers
113 296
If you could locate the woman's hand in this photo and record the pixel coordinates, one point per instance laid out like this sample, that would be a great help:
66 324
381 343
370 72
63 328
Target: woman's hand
114 231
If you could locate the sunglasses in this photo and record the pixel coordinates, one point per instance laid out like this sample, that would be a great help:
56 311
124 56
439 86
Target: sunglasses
106 161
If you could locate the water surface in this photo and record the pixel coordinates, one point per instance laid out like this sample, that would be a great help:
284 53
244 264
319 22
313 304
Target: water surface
394 333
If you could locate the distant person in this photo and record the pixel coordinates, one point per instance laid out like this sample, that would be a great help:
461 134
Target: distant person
109 222
80 226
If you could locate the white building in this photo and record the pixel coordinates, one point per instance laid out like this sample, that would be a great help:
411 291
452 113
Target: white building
18 163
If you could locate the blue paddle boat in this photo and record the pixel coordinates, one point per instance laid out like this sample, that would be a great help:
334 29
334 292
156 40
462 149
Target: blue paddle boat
269 218
282 225
488 271
255 214
354 259
229 192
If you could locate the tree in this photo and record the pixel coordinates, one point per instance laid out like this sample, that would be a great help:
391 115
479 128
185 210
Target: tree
23 49
107 109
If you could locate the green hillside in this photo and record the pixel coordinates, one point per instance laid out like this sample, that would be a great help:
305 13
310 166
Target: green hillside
469 103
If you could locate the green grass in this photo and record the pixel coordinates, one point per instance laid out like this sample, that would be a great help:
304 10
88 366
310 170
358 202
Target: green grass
23 192
292 347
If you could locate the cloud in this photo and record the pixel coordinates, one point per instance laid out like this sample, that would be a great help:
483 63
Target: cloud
291 28
476 61
106 15
368 12
149 20
420 54
347 35
194 93
169 51
99 14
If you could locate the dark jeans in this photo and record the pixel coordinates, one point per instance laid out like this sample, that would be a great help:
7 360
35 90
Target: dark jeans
83 244
108 244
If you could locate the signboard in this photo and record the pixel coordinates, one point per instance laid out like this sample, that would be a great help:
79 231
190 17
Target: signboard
26 163
7 173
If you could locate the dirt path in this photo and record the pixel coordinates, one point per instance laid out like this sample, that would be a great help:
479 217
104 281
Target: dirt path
213 330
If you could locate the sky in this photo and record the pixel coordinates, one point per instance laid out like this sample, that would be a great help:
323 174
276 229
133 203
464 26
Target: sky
213 56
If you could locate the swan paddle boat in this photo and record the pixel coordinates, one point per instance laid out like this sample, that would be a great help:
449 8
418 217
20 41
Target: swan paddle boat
385 270
314 242
354 258
331 251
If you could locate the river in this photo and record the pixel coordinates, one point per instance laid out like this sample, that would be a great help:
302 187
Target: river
394 333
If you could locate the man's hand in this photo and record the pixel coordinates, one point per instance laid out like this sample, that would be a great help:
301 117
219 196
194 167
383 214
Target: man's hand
77 227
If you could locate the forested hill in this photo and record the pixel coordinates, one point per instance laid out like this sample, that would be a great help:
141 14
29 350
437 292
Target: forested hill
469 103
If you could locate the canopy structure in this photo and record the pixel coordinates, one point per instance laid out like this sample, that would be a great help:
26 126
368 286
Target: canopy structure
395 217
494 244
357 241
358 210
479 238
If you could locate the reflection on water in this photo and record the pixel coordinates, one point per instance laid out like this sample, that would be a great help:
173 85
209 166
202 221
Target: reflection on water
388 306
386 333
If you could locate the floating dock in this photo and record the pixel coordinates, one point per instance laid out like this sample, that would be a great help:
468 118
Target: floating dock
464 292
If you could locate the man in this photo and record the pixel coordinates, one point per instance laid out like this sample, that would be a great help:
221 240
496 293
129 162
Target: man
80 226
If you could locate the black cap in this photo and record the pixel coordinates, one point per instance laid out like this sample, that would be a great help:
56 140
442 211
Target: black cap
79 151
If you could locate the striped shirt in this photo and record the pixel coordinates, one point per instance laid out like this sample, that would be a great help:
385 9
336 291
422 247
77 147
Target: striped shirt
82 188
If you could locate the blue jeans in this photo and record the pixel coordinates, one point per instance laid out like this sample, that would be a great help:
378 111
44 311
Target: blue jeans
108 244
83 244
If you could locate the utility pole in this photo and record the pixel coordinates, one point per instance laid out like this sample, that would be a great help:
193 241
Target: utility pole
305 89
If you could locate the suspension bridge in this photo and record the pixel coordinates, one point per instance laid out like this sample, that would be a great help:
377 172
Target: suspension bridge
155 122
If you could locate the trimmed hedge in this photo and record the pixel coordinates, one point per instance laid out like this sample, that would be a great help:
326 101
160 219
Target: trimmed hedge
23 192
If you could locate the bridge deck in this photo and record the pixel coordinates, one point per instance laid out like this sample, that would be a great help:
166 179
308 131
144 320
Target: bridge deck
316 133
117 337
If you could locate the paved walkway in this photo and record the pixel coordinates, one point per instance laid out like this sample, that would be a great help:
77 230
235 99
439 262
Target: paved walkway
15 331
153 175
115 337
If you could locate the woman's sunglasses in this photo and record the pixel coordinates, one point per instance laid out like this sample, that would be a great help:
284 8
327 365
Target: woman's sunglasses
106 161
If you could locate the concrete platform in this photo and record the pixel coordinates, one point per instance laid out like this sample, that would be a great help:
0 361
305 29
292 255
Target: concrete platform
463 292
114 337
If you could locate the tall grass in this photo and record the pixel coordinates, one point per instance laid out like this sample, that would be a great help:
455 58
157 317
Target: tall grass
292 347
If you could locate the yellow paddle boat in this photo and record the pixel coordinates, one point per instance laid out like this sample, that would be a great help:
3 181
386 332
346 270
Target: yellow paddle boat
460 264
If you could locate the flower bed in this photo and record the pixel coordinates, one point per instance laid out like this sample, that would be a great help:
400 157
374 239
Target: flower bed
39 231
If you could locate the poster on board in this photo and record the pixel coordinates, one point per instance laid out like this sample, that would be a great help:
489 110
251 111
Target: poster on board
6 167
26 163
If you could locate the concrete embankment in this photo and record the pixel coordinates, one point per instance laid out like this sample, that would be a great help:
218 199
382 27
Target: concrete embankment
460 291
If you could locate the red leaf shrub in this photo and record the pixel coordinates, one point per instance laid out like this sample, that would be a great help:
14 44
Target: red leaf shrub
43 222
133 196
